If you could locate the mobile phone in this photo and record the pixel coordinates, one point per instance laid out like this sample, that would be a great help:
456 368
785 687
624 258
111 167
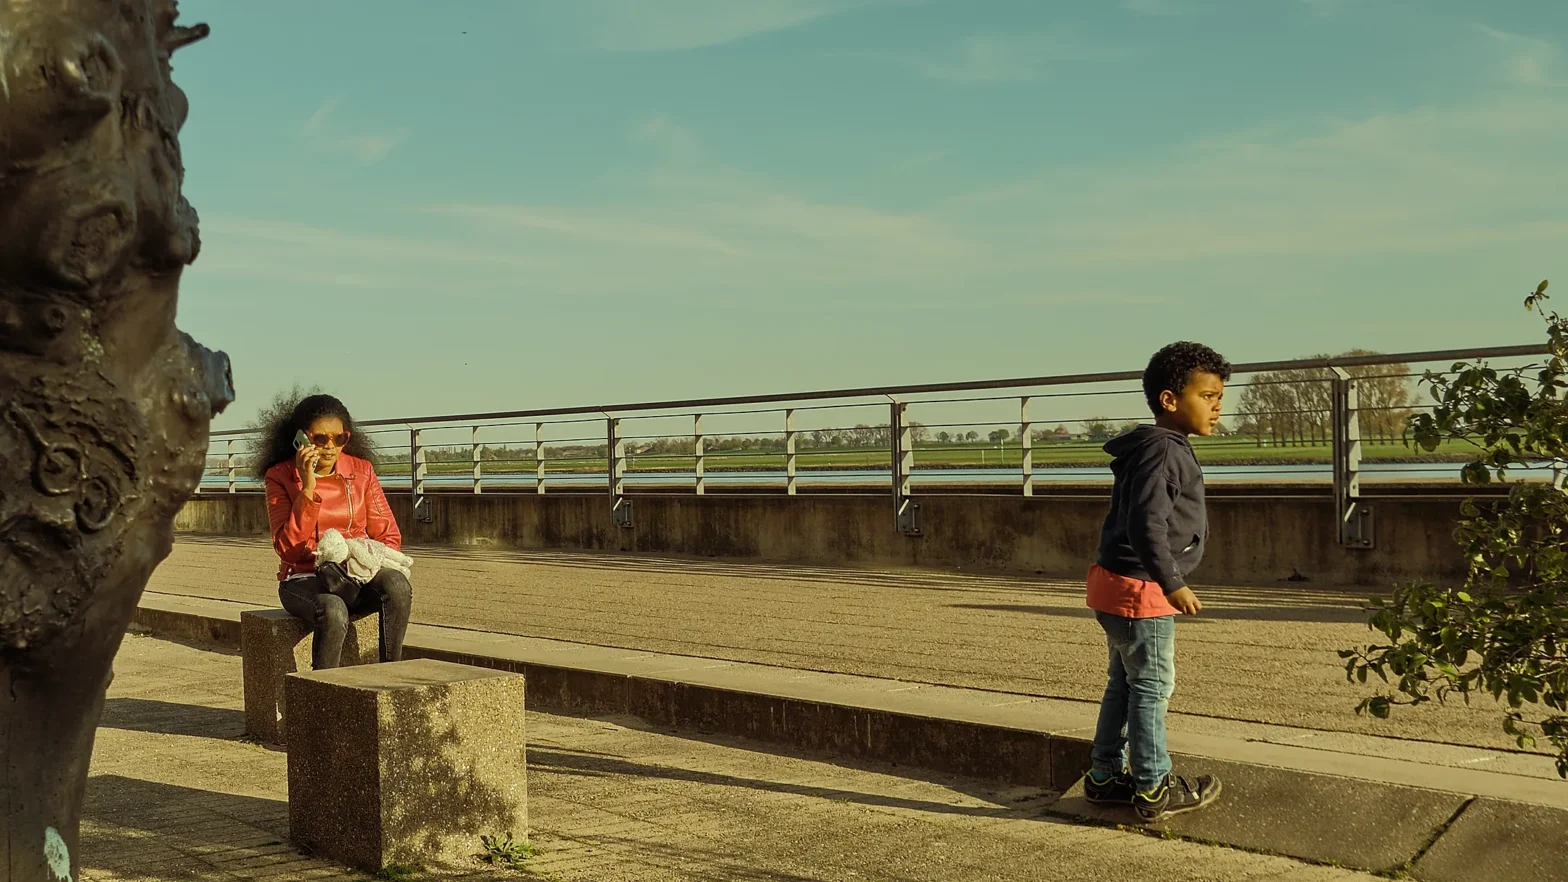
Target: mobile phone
301 439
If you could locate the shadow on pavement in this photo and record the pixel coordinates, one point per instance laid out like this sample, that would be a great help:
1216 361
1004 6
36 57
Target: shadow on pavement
171 718
1322 615
1015 804
922 580
129 824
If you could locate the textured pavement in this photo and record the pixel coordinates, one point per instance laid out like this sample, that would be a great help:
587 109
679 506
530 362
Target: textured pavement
1265 655
175 793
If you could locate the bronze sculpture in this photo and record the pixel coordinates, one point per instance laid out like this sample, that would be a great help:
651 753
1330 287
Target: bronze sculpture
104 404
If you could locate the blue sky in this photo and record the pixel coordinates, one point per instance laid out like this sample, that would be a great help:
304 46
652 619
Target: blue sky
495 204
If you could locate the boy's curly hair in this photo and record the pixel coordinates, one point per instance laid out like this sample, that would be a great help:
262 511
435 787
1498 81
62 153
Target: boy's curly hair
1173 366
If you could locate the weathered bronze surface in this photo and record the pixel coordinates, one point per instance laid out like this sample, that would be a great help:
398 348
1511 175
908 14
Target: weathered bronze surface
104 404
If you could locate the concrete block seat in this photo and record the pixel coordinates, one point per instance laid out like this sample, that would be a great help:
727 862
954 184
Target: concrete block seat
274 644
406 763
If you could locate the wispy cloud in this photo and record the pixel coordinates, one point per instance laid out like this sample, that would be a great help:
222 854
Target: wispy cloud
1525 61
1476 179
673 25
1008 58
689 232
607 228
676 142
1159 7
310 239
693 229
1425 182
686 232
316 254
249 263
921 160
367 149
1329 8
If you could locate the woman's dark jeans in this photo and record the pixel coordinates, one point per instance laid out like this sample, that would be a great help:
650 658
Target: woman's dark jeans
327 614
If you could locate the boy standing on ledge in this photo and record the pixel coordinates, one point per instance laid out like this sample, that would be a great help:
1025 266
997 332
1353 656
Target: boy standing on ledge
1155 534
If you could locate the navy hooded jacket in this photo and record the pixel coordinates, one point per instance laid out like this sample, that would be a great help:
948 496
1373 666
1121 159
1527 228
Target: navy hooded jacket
1157 527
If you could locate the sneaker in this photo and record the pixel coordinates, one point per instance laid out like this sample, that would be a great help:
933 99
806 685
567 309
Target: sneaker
1109 790
1176 796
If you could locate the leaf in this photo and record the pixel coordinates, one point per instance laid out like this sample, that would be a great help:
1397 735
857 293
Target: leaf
1501 627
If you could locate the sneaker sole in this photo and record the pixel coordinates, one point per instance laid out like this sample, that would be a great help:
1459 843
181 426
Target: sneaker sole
1209 799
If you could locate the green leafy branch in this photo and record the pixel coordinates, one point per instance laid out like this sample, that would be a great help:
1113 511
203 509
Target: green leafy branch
1504 631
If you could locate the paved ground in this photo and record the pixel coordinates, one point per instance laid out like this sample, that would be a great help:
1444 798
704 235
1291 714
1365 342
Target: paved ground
1263 655
175 795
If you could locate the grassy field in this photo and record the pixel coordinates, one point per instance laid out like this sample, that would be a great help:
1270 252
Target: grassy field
1217 451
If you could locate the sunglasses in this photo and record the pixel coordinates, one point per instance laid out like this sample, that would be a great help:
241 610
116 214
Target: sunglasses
322 439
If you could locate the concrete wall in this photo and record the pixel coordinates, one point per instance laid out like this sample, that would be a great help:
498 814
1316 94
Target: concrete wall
1258 538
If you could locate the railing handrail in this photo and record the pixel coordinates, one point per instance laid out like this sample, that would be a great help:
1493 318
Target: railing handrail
964 386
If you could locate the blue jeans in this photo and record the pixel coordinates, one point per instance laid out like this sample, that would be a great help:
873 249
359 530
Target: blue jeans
1141 678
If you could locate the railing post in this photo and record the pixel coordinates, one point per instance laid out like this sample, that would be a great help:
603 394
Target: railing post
1028 445
699 450
1354 515
539 458
479 455
416 475
901 442
228 463
620 506
789 451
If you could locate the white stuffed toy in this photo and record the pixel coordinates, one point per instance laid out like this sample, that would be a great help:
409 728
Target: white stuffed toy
361 559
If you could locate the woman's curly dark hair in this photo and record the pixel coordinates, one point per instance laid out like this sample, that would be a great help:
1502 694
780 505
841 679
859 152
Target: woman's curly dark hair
293 412
1173 366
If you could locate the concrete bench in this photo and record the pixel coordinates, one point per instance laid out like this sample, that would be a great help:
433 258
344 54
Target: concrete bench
407 763
274 644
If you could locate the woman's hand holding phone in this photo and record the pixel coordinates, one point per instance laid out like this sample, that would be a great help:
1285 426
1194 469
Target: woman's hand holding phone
305 461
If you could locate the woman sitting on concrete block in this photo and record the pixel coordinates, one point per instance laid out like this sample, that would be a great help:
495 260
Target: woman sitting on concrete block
320 478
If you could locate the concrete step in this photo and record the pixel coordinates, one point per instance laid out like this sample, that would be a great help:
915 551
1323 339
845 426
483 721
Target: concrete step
1372 803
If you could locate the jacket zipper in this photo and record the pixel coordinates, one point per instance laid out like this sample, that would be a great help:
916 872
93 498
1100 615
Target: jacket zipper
348 491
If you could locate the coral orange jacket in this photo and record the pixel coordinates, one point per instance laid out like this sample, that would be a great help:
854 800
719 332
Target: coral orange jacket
349 500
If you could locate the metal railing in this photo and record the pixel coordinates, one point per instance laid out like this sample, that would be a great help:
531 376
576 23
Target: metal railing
851 440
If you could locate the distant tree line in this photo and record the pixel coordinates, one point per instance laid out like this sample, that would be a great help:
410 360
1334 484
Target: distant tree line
860 437
1294 407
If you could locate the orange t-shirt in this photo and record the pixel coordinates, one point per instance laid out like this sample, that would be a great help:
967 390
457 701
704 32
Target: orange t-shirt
1127 597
